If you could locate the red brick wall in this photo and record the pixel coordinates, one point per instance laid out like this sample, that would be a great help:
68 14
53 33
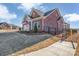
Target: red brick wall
51 21
60 24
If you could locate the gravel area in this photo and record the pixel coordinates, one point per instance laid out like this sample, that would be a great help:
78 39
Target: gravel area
13 41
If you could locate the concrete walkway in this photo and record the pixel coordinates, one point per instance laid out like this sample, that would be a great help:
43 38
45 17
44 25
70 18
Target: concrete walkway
57 49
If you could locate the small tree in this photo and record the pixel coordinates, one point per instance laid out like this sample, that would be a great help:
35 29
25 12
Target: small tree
35 28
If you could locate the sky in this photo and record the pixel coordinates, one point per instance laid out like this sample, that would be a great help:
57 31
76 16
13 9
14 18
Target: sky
14 12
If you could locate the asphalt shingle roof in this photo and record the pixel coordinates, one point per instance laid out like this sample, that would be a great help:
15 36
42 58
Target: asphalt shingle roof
45 14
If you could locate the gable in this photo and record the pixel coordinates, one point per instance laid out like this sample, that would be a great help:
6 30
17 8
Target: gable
34 14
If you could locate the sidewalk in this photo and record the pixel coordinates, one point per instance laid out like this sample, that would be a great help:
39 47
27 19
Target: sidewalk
57 49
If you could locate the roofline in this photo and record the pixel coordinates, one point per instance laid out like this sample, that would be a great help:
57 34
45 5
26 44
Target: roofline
53 11
34 9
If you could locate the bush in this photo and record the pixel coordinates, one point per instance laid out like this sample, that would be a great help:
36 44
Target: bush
35 28
19 29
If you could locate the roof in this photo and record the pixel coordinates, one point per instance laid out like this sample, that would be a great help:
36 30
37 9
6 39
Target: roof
4 23
38 11
45 14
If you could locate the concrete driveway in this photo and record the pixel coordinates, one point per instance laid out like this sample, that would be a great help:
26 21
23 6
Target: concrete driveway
13 41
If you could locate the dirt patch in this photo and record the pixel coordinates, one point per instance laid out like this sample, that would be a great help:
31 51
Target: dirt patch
77 49
37 46
9 30
74 37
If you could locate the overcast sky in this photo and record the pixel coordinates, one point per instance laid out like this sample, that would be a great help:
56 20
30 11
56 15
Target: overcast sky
14 12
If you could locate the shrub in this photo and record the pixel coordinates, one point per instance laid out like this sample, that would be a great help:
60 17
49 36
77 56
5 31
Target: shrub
35 28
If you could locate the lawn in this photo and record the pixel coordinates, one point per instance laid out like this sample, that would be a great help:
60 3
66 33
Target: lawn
38 46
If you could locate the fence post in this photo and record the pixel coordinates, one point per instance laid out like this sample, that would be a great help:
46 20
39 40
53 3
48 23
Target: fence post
73 45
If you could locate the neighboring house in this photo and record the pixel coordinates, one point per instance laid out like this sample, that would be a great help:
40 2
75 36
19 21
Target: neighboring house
51 21
67 26
6 26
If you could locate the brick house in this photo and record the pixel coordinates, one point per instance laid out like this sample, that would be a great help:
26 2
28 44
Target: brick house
51 21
